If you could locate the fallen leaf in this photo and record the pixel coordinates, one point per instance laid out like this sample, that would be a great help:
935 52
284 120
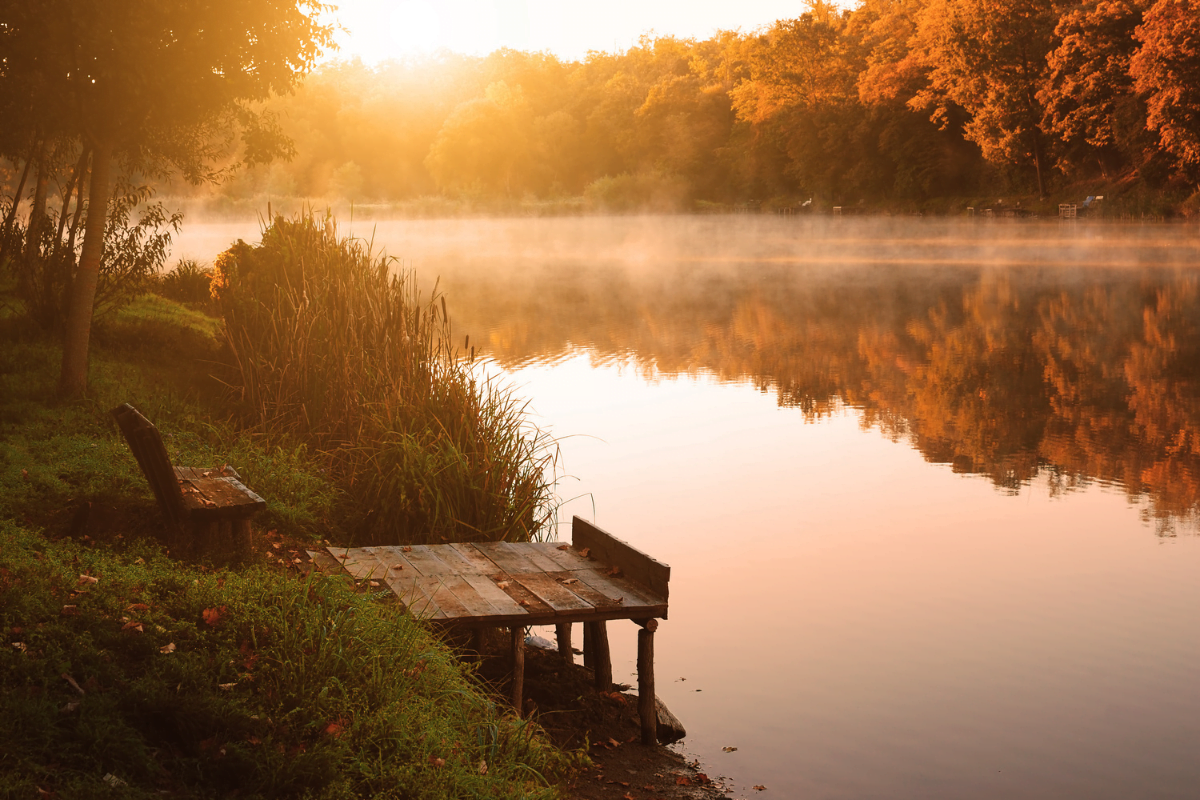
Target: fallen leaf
397 566
619 600
729 749
70 611
20 646
335 729
406 549
226 687
69 708
375 583
564 547
136 627
71 681
682 780
276 545
615 572
627 795
85 580
212 616
522 602
113 780
569 581
586 552
437 762
344 556
483 767
613 742
137 607
167 648
502 584
759 788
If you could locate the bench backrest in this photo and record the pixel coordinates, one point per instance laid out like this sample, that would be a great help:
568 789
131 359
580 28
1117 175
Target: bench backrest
636 565
147 446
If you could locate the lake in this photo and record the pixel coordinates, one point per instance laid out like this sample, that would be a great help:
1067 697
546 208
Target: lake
929 489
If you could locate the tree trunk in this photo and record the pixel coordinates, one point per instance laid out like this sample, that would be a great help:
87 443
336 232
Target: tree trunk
12 212
73 380
37 213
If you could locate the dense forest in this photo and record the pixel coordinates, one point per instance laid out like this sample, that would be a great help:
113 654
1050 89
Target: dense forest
895 104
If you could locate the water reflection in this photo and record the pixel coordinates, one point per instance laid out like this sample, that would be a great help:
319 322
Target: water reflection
1007 372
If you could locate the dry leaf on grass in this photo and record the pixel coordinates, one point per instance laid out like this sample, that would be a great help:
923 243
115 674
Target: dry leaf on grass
167 648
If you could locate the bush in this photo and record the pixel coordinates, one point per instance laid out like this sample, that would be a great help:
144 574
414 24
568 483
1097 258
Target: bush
333 346
189 282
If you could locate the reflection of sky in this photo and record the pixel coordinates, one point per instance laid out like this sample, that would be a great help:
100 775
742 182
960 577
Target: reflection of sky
861 623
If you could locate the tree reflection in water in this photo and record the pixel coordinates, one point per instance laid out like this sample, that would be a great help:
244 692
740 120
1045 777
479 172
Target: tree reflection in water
1077 375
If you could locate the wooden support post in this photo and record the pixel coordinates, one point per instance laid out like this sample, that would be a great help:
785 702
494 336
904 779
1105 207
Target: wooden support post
562 632
597 633
645 667
475 645
518 669
589 649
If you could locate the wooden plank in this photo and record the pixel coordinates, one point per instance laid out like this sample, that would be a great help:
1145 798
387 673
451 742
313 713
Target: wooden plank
470 553
635 564
566 557
594 598
551 592
474 604
535 555
361 562
325 562
619 590
497 597
510 560
393 557
525 598
463 563
422 560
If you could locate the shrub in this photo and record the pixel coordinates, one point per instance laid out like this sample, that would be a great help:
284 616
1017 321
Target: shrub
334 346
189 282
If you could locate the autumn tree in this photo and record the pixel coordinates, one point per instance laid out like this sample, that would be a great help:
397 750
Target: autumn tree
157 87
1088 95
1166 70
989 57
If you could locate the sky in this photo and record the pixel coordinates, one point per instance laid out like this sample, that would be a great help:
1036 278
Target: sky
381 29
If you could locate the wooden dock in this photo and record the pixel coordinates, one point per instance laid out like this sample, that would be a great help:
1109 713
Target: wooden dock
595 578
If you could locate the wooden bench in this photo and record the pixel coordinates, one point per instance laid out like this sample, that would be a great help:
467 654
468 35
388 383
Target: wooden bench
208 510
595 578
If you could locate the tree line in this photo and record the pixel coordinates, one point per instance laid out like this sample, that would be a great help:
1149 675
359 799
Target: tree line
893 102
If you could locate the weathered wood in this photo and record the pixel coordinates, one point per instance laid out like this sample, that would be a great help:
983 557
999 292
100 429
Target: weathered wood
551 592
645 668
562 632
507 557
208 510
635 564
518 668
601 658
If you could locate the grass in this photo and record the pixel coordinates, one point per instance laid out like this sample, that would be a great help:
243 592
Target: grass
334 347
188 682
174 680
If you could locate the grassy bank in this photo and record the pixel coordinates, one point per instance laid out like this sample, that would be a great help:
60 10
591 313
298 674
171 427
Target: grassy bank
126 673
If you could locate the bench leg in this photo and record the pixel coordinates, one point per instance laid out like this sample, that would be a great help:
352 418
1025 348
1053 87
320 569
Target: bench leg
645 666
563 634
596 639
518 669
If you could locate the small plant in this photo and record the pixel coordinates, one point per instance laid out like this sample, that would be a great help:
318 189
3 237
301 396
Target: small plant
190 282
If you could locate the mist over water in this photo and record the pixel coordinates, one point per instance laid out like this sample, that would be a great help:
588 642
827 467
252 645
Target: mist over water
928 488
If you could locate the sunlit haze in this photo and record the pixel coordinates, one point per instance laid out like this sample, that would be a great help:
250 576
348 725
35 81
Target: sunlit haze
377 30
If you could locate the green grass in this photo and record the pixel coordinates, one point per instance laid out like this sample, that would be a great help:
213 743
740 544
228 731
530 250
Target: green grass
276 686
198 683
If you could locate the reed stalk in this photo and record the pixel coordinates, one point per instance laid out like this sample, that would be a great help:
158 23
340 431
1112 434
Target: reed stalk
334 345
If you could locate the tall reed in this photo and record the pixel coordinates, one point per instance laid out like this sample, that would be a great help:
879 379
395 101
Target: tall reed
334 345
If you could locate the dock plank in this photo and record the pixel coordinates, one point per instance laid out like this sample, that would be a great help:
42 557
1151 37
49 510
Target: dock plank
552 593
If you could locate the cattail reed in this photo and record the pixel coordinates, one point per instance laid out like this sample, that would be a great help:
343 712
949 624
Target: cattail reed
333 345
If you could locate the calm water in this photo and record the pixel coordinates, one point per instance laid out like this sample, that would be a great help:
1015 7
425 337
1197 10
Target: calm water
929 490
